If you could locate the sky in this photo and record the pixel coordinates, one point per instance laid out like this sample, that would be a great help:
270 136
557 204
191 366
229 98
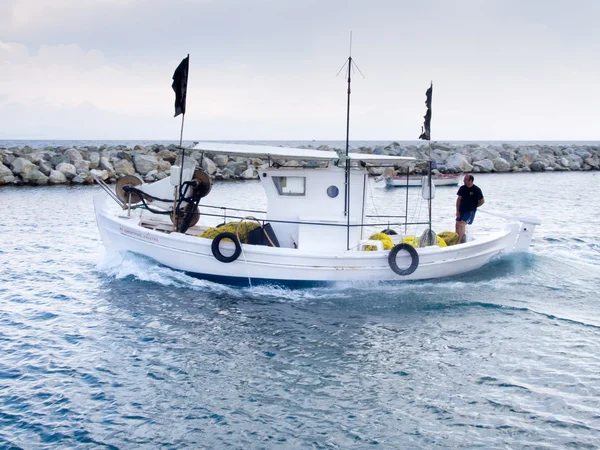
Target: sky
266 69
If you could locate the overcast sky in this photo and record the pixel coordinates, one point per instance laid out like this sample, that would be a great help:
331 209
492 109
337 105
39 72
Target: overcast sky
266 69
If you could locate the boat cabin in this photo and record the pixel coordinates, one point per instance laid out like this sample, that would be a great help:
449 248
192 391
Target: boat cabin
319 205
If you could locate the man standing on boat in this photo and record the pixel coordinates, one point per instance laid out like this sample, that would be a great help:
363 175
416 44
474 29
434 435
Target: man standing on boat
469 199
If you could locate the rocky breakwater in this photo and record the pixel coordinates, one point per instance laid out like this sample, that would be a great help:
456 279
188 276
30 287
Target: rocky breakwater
79 165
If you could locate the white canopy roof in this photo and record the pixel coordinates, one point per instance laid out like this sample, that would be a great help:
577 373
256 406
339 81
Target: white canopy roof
266 151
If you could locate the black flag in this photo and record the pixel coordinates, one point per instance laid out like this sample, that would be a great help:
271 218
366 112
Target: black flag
426 129
180 78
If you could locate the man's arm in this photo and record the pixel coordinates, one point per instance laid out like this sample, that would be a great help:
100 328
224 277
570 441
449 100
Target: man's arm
458 199
480 202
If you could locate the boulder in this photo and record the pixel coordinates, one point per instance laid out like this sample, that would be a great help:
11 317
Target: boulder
145 163
249 173
123 167
163 166
35 156
106 165
151 176
539 165
167 155
37 178
102 174
593 162
94 158
6 175
68 170
501 165
73 155
45 167
458 163
220 160
484 165
124 155
22 167
55 160
82 165
209 166
7 159
83 177
56 177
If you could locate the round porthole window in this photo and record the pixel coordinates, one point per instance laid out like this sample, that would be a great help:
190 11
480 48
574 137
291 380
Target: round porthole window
333 191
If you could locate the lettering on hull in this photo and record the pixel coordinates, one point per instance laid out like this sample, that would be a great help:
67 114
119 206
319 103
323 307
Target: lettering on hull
145 237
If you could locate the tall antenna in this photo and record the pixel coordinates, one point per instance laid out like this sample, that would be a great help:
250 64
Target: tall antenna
349 65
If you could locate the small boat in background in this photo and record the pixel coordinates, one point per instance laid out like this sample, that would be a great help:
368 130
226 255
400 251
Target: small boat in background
445 179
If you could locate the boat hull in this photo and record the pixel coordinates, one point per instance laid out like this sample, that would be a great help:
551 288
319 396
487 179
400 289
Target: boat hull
401 181
288 266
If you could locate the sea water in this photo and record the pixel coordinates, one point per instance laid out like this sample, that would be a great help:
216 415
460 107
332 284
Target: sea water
105 350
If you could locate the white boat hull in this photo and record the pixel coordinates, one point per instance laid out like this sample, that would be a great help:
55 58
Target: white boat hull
401 181
193 255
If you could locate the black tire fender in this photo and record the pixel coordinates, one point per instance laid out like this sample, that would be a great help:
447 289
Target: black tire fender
217 253
413 255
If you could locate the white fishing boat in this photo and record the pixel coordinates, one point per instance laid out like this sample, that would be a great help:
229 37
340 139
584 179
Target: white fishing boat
313 232
314 229
444 179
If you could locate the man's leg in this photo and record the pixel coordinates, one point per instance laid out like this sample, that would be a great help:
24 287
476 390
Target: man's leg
460 230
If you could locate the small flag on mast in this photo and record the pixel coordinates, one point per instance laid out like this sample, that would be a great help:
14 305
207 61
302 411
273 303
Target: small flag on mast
426 128
180 78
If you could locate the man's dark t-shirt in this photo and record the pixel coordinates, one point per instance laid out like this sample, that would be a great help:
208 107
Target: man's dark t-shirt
469 198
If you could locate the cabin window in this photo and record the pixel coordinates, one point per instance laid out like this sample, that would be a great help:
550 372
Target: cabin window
290 185
333 191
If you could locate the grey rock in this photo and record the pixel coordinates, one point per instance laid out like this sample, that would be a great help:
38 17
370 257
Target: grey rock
209 166
151 176
484 165
163 165
106 165
167 155
23 167
35 156
123 167
8 159
501 165
458 163
125 155
45 167
73 155
68 170
55 160
56 177
83 177
6 175
102 174
145 163
82 165
220 160
94 158
538 166
37 178
593 162
249 173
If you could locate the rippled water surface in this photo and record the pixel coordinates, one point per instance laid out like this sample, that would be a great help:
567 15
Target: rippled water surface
102 350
